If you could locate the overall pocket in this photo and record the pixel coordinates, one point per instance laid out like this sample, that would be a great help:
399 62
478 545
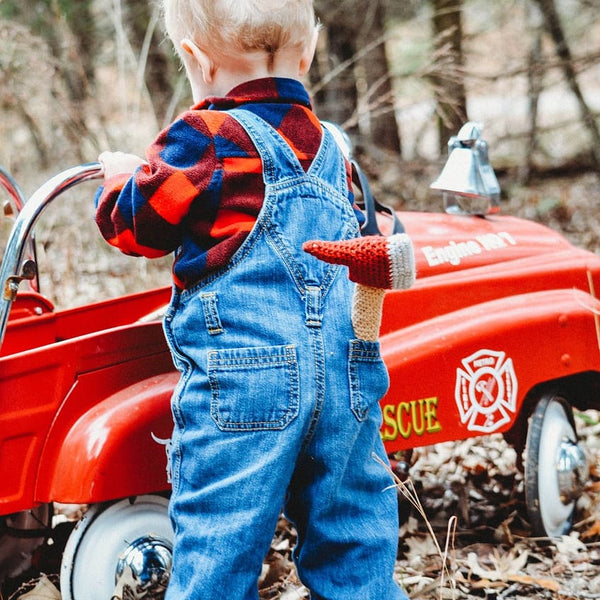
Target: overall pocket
254 388
368 377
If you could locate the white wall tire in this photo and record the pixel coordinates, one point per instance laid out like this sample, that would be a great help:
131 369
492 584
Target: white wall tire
102 537
555 467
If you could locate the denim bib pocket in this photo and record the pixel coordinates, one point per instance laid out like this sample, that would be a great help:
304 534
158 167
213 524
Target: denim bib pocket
254 389
368 377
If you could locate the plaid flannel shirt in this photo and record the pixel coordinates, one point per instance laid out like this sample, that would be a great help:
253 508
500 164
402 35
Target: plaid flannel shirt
201 190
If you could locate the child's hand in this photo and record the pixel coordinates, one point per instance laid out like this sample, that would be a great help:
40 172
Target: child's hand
116 163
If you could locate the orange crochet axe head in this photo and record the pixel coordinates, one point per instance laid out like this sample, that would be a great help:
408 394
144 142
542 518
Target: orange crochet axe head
374 261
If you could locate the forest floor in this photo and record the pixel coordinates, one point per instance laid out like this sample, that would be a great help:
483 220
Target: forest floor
471 537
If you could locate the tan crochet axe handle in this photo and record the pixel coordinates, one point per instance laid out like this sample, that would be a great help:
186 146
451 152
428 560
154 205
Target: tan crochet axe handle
367 308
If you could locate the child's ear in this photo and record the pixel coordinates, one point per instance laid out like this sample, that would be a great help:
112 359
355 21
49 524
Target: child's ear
201 58
309 53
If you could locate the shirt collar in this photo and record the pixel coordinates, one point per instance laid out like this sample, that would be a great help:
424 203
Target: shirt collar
271 90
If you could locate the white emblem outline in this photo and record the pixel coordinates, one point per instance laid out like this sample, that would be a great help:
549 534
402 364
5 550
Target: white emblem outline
486 391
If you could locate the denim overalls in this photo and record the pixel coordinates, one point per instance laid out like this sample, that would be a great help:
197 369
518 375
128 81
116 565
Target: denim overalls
277 406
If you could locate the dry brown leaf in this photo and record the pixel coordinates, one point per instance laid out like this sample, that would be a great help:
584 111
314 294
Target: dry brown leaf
419 547
540 582
420 552
294 592
543 582
570 545
44 590
484 584
592 531
506 565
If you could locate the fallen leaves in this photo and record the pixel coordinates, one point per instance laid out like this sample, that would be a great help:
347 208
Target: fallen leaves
505 566
493 555
489 555
593 531
38 589
279 579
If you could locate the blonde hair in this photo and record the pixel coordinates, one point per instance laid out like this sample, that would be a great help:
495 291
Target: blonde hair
228 27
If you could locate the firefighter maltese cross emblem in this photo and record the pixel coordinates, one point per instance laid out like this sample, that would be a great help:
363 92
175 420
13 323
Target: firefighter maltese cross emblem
486 391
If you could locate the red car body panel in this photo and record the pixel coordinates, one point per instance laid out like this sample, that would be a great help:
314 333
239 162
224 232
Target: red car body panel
501 306
67 364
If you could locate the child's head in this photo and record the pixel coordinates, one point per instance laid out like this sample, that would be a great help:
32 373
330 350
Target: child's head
230 28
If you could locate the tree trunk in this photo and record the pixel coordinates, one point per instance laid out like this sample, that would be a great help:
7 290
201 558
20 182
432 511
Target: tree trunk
73 41
159 67
383 126
352 83
448 77
336 95
554 27
535 76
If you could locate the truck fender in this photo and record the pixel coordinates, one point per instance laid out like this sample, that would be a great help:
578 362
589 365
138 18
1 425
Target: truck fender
467 373
113 450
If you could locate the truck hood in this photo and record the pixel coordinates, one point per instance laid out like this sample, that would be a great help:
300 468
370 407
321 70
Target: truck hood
451 243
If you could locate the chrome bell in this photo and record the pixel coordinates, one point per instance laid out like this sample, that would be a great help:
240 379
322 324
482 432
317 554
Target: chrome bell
467 181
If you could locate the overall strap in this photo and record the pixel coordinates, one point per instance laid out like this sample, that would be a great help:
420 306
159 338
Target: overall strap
279 161
308 207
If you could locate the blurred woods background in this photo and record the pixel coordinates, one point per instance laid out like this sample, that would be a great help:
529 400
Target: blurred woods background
81 76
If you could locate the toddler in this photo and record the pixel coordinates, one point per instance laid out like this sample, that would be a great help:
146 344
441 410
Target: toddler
277 405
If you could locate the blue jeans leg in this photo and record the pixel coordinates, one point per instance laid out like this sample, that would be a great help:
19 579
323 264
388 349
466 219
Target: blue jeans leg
345 508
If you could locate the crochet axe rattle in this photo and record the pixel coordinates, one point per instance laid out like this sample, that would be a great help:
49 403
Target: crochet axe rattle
375 264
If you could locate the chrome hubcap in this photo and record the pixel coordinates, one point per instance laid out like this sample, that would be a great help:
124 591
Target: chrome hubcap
572 470
148 560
